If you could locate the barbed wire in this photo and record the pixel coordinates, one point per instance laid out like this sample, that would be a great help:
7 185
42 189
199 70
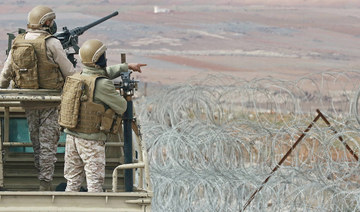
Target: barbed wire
212 142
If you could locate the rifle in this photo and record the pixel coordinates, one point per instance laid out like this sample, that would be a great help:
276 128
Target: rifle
68 38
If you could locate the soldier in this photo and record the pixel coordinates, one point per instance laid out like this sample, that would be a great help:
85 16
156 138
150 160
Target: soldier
98 114
37 60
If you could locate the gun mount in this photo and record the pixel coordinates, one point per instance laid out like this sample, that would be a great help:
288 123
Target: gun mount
127 87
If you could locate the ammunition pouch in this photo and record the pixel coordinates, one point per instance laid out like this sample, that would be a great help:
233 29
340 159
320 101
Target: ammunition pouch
110 122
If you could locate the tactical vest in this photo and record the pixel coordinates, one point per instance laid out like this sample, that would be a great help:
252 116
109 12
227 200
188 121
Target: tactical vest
31 68
79 113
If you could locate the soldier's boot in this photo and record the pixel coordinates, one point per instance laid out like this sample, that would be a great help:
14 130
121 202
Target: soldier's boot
45 186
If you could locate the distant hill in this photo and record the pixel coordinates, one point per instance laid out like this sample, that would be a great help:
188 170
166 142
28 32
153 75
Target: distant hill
247 38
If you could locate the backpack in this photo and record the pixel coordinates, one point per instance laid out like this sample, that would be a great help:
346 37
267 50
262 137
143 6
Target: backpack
79 113
70 102
24 65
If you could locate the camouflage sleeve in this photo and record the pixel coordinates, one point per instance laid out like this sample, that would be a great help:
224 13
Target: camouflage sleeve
59 57
115 70
5 75
105 93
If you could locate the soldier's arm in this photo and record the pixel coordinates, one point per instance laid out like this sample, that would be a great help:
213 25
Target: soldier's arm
115 70
136 66
105 92
59 57
5 75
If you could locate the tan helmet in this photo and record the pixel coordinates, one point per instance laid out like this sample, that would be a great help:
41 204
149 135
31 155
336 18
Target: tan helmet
90 52
38 16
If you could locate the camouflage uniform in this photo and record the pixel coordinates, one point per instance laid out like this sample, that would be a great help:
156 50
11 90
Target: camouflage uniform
85 152
84 157
42 116
44 134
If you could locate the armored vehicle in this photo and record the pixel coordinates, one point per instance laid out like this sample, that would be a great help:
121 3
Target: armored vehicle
18 176
127 182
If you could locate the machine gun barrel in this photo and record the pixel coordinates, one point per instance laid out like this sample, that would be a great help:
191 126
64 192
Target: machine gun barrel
69 38
81 30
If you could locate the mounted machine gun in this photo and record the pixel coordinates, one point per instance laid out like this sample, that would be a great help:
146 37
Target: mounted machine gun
68 38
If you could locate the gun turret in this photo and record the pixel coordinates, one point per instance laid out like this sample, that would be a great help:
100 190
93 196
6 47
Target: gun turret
69 38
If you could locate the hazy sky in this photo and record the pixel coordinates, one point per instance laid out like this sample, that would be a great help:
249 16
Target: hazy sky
336 3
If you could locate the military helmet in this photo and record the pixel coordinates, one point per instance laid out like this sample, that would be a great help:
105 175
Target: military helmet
39 15
90 52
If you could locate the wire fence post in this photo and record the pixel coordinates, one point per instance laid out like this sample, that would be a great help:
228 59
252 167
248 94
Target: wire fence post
281 161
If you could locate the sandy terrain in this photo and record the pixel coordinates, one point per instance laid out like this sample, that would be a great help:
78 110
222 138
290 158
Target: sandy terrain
284 39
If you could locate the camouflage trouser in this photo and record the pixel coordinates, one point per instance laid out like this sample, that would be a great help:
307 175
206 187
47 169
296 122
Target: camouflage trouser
84 158
44 135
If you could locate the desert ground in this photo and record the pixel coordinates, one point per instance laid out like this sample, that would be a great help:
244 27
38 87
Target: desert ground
182 39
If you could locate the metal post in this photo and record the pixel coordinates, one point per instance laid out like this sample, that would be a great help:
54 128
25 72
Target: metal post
281 161
128 156
6 124
1 160
128 173
340 137
6 139
123 58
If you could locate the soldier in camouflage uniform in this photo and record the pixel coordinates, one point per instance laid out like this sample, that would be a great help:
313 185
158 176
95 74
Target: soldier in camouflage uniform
52 66
86 135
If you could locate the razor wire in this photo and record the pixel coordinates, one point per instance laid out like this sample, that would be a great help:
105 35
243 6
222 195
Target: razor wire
212 142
